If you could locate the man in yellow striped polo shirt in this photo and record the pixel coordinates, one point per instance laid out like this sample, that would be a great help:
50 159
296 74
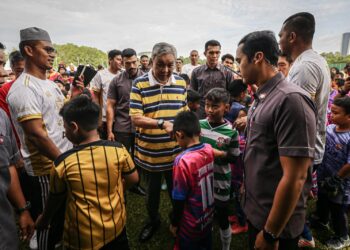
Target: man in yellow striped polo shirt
155 100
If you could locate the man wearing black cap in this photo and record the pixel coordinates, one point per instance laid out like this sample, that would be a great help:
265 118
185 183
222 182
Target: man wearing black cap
34 105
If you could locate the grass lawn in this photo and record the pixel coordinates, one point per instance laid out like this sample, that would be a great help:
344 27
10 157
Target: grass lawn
162 240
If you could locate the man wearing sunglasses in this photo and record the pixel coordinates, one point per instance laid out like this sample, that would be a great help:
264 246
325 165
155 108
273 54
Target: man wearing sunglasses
34 104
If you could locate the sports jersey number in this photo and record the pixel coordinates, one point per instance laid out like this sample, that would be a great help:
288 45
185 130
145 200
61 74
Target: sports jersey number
207 190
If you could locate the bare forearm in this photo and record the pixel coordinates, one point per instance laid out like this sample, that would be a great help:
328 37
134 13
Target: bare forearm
344 171
14 193
45 146
144 122
110 118
285 200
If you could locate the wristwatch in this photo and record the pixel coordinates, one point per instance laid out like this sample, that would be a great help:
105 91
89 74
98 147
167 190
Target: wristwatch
26 207
160 123
269 237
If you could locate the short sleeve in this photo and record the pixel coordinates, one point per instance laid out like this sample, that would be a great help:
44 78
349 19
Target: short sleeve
57 183
96 83
194 81
295 126
180 181
25 105
304 76
136 107
234 144
128 165
113 90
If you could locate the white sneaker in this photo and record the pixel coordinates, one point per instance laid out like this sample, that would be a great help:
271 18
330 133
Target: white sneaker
33 243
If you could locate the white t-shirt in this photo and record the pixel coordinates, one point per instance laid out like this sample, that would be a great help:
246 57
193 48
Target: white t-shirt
310 71
33 98
101 82
188 68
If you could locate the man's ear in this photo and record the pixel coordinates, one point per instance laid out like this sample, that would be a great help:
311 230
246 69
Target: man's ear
180 134
28 50
292 37
258 57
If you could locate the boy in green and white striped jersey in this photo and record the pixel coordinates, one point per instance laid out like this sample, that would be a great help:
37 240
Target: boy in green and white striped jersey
219 133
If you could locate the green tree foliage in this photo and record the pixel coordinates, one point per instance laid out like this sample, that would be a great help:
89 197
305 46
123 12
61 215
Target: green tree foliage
71 53
333 58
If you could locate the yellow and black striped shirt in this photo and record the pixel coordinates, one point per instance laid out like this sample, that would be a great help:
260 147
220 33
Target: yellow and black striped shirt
91 175
154 149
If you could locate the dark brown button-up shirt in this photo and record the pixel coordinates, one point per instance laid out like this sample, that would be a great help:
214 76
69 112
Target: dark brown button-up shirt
119 90
281 122
204 79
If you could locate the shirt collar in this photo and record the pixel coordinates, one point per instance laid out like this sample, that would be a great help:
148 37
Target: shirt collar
217 67
265 90
153 81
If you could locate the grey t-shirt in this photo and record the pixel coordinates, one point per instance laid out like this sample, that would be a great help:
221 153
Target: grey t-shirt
310 71
9 155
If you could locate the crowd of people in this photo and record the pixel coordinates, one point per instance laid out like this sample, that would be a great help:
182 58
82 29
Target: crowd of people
243 142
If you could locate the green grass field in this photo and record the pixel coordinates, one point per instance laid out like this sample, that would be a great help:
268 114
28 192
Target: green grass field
162 240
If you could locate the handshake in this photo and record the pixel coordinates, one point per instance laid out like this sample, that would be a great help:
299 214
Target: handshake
332 185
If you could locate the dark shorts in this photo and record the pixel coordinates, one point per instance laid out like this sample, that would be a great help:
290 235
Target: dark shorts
189 244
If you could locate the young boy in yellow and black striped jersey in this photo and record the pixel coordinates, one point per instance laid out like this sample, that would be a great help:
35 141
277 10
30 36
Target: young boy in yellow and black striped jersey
89 177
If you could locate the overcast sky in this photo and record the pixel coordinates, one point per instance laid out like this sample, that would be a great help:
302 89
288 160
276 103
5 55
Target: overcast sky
187 24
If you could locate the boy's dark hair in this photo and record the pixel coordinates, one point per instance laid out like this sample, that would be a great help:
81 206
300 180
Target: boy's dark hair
211 43
218 95
261 41
83 111
186 78
288 58
113 53
193 96
179 58
128 53
65 74
343 102
236 87
144 56
187 122
303 24
15 57
229 56
2 46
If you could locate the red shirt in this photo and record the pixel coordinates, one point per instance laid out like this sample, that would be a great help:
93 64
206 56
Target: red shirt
4 90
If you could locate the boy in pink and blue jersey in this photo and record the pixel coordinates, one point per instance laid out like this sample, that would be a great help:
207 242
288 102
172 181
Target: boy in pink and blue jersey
193 194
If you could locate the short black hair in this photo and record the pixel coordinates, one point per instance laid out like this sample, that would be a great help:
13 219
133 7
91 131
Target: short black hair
343 102
303 24
261 41
193 96
211 43
15 57
83 111
229 56
218 95
179 58
236 87
128 53
188 123
2 46
288 58
186 78
113 53
144 56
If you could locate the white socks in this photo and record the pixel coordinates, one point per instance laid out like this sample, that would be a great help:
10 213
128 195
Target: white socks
225 236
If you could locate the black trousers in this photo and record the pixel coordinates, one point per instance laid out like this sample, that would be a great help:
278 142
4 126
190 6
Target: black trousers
153 191
120 243
127 139
338 213
284 244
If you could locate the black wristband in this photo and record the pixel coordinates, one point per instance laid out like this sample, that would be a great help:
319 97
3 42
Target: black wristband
26 207
269 237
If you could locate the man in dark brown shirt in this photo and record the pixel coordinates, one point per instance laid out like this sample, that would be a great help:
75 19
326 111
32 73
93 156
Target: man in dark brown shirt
280 146
118 101
210 75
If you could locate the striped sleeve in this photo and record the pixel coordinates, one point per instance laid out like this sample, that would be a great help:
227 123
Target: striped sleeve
136 107
233 148
128 165
57 183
